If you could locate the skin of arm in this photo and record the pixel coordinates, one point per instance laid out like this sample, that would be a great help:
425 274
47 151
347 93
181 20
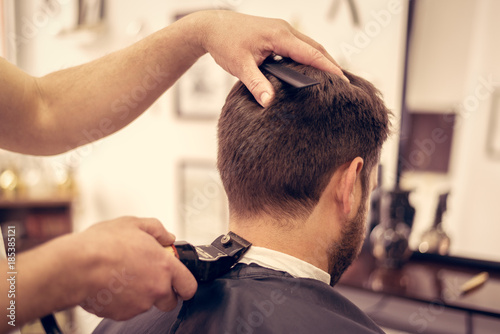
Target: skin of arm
49 115
124 258
57 112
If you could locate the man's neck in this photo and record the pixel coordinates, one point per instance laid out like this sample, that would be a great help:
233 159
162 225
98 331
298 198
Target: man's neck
305 240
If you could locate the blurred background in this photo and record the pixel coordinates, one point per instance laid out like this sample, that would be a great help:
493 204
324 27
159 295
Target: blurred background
436 63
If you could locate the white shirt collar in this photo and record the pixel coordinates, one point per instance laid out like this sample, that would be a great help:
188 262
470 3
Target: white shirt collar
271 259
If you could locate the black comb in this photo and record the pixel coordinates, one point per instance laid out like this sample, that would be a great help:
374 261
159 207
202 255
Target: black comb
291 77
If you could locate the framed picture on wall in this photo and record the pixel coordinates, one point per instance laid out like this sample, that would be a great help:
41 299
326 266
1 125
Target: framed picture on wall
493 137
90 13
202 205
11 36
201 92
2 31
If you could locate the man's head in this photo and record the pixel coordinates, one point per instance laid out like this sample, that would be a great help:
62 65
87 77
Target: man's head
277 162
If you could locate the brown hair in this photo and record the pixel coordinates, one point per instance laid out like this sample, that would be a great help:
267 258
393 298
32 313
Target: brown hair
278 160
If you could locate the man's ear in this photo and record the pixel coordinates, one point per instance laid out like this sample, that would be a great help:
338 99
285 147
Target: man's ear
348 182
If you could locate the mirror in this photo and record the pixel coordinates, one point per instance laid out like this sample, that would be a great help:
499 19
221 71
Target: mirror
450 126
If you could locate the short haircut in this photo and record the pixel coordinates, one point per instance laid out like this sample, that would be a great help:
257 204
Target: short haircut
278 160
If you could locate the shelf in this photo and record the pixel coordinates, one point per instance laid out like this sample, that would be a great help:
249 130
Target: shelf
430 279
35 203
36 220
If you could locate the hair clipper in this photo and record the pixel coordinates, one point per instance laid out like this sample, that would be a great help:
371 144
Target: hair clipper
206 263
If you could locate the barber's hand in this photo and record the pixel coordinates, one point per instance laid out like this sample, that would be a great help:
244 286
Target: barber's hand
132 271
240 43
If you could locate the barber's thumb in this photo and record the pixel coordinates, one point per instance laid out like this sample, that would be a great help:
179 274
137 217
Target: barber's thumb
264 98
259 86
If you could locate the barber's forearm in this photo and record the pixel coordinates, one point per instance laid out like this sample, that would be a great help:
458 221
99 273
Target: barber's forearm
87 102
49 278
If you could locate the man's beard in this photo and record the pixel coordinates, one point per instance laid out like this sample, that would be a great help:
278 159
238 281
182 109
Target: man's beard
342 253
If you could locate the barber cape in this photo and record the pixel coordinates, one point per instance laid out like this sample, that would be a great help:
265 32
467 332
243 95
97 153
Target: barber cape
267 292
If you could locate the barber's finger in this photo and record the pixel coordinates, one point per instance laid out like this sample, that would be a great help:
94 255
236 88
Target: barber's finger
167 303
156 229
315 45
183 281
308 52
182 284
256 82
